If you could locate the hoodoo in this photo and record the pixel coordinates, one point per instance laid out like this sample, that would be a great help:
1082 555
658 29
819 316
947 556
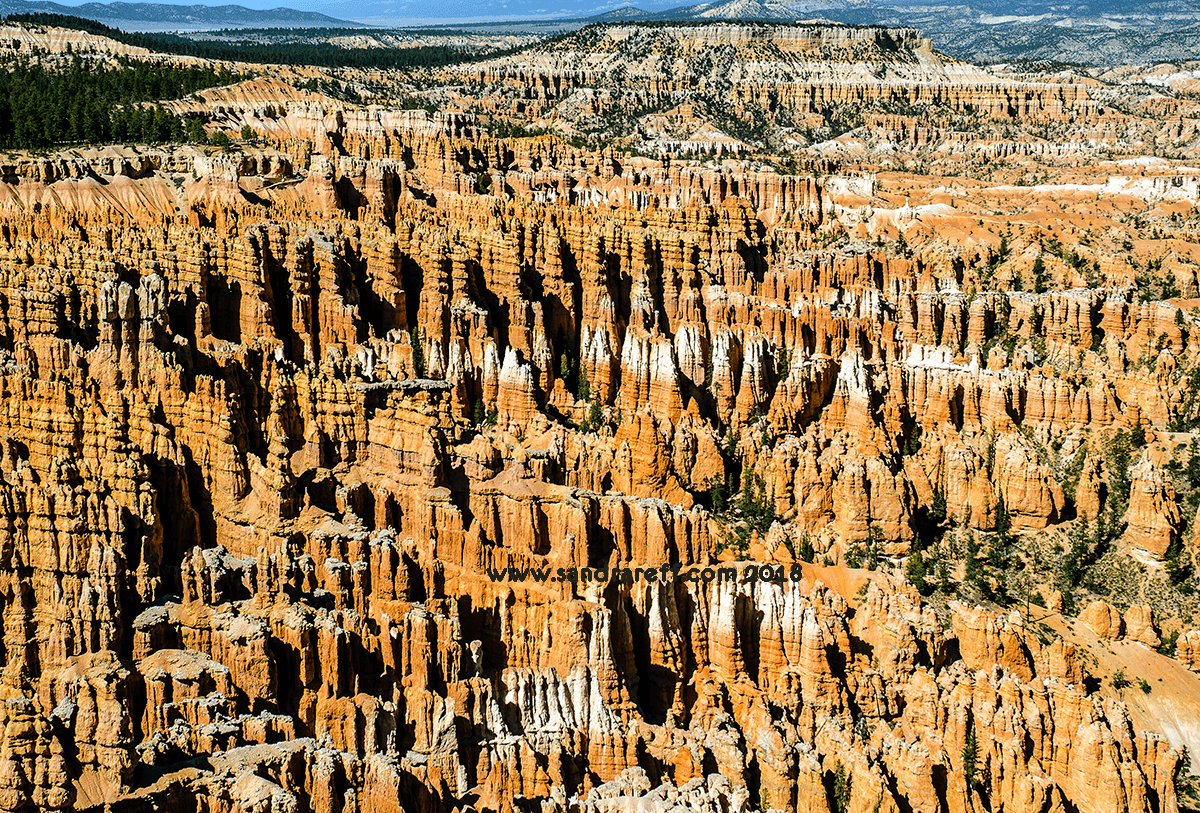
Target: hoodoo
445 436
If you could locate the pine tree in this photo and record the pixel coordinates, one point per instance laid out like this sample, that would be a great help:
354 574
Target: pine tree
585 387
731 444
805 551
970 758
1003 521
974 571
717 490
937 511
1038 275
915 570
567 370
783 363
415 336
195 131
874 546
841 789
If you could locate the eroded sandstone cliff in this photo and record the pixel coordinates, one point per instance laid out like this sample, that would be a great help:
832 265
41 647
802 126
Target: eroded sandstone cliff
279 425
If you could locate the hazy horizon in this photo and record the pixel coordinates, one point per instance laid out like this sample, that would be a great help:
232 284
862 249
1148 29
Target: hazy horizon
389 12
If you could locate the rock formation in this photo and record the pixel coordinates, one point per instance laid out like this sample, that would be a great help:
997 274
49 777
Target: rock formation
298 444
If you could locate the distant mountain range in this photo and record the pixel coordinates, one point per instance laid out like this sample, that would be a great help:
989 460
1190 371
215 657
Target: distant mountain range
165 17
1108 14
1084 31
781 10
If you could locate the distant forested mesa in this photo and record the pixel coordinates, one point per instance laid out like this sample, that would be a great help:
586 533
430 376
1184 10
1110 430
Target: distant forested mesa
321 55
42 104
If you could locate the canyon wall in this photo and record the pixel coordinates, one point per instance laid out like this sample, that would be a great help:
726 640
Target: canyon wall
268 430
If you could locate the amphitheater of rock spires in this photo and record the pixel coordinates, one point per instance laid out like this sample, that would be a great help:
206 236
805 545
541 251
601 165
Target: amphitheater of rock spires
301 437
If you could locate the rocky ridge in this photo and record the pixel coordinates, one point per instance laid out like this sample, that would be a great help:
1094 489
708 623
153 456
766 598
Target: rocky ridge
274 419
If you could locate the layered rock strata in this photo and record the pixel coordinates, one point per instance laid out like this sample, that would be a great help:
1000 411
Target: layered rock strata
267 430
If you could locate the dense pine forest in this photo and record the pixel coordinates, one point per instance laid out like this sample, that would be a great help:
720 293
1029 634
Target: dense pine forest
321 55
42 105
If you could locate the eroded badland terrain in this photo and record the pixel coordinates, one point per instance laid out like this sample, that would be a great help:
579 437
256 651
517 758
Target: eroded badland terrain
278 410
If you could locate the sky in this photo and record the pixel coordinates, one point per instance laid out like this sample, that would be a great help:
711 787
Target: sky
434 11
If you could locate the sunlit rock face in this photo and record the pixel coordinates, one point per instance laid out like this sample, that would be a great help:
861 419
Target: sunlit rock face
280 427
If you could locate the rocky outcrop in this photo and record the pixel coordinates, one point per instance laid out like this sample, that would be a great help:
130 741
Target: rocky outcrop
1154 521
1140 626
813 70
300 476
1104 620
1187 649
